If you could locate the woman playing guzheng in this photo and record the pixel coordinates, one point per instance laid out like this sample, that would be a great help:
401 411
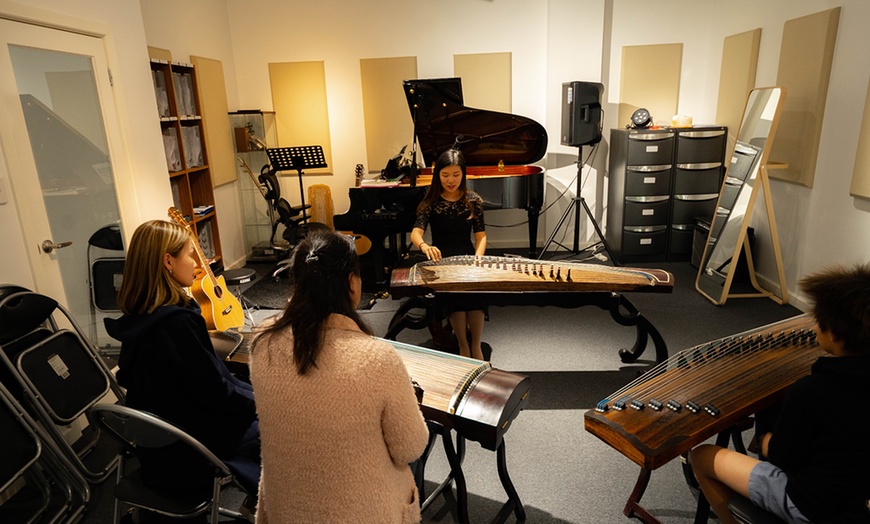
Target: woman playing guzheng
339 419
817 465
454 213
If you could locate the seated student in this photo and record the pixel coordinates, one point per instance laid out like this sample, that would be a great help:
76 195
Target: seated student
339 419
168 364
818 458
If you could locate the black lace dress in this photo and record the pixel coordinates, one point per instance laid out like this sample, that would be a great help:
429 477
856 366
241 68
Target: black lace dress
453 223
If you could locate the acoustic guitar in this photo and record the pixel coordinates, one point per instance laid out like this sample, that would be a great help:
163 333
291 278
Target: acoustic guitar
221 310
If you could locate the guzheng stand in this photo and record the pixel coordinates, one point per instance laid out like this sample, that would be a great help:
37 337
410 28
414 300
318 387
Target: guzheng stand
455 455
620 308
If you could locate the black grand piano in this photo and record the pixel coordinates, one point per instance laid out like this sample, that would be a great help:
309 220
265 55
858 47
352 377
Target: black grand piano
498 148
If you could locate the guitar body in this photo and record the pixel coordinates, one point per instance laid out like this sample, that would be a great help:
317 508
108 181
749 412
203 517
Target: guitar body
220 309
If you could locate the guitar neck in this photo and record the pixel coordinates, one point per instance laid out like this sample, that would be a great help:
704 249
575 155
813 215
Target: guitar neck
203 261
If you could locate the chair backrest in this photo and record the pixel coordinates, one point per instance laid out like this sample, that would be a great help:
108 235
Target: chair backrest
57 375
170 462
269 179
322 208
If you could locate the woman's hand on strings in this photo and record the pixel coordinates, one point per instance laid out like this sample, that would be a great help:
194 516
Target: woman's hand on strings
431 252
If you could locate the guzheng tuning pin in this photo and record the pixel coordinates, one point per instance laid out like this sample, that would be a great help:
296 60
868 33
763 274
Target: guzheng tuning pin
552 273
559 273
568 276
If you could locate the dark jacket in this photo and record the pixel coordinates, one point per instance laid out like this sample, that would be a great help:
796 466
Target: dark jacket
822 441
170 369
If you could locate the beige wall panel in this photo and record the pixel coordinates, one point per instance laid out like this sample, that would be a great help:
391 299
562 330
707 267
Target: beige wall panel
216 121
486 80
804 70
736 79
385 111
299 102
861 174
650 78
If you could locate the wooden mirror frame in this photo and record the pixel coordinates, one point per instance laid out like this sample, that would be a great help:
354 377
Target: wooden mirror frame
748 171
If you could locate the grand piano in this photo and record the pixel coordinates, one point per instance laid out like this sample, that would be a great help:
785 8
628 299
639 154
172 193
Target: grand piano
498 148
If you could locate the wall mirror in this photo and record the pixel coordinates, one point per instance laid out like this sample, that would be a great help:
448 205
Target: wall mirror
745 178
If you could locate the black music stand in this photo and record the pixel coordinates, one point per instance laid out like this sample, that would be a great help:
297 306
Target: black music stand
298 158
575 205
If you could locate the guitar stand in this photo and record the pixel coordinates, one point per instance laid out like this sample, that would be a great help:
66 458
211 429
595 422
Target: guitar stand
455 456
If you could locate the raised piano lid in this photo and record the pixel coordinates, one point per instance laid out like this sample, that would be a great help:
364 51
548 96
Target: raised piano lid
488 137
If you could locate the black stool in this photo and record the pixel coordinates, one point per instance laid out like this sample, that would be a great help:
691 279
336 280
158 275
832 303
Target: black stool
237 277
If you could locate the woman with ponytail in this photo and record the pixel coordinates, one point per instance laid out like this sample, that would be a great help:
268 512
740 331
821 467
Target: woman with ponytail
339 419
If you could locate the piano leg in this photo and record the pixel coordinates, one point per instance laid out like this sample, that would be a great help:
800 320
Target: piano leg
533 213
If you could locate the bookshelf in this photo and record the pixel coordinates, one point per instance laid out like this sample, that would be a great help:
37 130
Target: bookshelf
181 124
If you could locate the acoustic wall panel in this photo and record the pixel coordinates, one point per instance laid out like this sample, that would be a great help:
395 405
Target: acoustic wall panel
805 60
387 118
299 102
486 80
218 137
736 80
650 78
861 173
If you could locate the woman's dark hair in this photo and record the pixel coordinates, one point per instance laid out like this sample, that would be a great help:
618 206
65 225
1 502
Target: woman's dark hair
451 157
841 304
320 269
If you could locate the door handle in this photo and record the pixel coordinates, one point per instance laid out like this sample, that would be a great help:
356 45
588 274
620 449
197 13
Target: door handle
48 246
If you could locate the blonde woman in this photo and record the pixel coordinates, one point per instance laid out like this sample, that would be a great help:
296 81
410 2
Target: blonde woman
168 363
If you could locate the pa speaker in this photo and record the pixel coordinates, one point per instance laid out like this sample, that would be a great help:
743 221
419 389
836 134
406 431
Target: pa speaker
581 113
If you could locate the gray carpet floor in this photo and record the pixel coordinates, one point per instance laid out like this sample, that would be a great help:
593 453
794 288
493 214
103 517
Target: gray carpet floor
562 473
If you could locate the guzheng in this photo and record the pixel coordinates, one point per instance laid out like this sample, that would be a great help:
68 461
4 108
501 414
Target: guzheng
468 273
702 391
467 395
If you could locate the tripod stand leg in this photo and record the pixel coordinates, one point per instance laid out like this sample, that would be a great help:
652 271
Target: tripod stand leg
597 231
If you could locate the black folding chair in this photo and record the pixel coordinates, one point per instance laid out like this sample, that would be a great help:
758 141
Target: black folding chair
146 438
56 374
37 483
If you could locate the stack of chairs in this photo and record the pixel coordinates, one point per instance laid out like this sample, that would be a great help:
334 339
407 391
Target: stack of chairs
51 369
37 482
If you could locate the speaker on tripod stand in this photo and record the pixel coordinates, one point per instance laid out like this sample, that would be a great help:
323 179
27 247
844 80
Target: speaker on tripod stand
581 126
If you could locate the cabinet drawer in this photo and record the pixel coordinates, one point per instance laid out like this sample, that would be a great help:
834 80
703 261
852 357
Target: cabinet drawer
649 149
648 180
687 208
700 146
641 242
648 211
698 178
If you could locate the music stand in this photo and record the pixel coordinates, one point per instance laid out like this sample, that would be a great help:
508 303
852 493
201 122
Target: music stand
573 206
298 158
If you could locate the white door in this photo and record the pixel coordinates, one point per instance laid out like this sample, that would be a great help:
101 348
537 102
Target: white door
55 104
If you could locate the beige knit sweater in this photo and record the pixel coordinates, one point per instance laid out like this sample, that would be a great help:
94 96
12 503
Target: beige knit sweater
337 441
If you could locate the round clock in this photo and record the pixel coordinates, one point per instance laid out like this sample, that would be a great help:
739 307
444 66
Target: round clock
641 118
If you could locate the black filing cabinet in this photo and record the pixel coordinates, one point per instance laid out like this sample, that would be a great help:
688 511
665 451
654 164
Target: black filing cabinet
661 182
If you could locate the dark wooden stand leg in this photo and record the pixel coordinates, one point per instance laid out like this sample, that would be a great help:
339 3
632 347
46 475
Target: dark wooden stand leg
626 314
513 503
633 507
455 457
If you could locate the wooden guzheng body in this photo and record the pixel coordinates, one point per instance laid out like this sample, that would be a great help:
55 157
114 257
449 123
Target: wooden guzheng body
460 393
468 273
465 394
701 392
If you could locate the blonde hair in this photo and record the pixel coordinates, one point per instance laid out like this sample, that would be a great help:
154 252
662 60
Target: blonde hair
147 284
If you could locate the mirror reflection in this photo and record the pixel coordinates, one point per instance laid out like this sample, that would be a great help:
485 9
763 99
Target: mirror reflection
737 194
